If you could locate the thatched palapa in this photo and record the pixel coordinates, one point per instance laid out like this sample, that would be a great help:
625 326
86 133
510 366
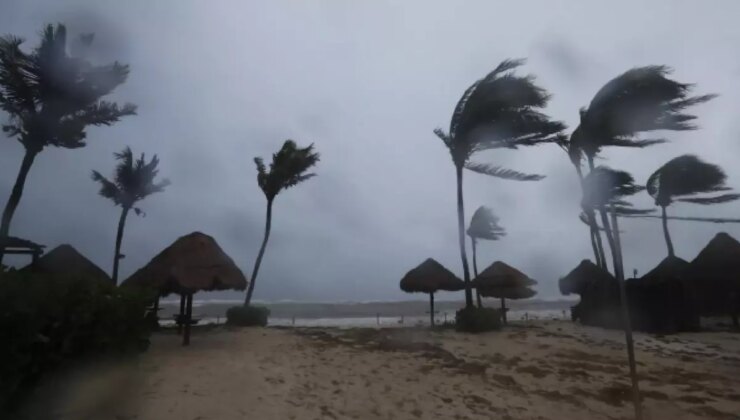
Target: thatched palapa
714 276
661 301
500 280
66 261
12 245
430 277
191 264
599 291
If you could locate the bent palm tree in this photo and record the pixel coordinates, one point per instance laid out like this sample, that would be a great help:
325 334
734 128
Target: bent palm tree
483 225
132 182
288 168
682 179
51 98
638 101
499 111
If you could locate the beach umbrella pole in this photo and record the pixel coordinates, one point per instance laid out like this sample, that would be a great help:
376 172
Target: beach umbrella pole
619 270
188 316
181 314
431 309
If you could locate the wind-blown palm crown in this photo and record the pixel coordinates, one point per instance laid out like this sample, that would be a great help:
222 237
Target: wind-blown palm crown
499 111
133 180
683 179
485 225
52 97
287 169
642 99
604 186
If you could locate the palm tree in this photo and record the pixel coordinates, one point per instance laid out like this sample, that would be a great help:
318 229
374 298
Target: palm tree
288 168
132 182
51 98
683 179
501 110
640 100
483 225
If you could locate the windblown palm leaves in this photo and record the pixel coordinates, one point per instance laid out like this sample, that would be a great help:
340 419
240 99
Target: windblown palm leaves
687 179
287 169
133 181
483 225
51 98
501 110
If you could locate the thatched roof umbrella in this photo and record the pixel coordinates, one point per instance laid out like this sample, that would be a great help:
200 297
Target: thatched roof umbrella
599 292
715 276
578 280
191 264
503 281
430 277
65 261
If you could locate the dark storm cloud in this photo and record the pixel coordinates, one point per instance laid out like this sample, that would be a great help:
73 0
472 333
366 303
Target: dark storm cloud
218 83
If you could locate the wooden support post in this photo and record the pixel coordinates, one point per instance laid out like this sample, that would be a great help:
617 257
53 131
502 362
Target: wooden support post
187 320
181 314
431 309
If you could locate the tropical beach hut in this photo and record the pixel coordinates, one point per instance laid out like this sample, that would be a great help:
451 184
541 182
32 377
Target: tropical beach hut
17 246
430 277
599 291
191 264
65 261
714 277
500 280
661 301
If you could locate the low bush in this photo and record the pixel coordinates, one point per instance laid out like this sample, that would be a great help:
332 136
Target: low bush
477 320
46 321
247 316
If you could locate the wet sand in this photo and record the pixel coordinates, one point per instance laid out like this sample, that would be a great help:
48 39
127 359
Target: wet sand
534 370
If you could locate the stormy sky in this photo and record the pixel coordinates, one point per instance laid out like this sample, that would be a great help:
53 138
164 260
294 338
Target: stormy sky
220 82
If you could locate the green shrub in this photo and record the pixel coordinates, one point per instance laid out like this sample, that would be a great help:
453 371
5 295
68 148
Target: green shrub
247 316
46 321
477 320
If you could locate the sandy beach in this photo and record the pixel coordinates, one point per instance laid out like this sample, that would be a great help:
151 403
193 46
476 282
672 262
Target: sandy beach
534 370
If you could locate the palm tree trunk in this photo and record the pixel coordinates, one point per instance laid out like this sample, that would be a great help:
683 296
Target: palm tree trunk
431 309
253 280
15 197
119 238
668 241
596 243
461 237
607 227
503 310
475 271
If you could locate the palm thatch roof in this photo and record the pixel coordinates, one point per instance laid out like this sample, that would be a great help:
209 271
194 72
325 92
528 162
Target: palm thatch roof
671 267
714 275
578 280
192 263
12 242
720 257
429 277
66 261
500 274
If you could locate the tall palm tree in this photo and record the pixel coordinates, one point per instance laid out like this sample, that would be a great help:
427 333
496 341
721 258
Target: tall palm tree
638 101
288 168
132 182
483 225
683 179
51 98
499 111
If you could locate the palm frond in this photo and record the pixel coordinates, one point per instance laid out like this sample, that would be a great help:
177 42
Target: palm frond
604 186
685 176
134 179
485 225
287 169
499 172
719 199
108 189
